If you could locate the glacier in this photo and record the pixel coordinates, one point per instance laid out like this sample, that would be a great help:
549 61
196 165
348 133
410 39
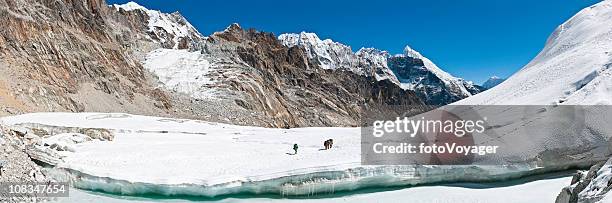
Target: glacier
181 71
181 157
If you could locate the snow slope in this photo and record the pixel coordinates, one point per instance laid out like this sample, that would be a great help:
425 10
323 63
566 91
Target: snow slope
178 66
573 68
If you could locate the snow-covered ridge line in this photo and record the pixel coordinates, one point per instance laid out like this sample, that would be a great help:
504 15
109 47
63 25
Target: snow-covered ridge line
331 55
315 47
130 6
335 55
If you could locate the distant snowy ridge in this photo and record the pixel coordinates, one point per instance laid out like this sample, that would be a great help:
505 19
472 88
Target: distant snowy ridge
575 66
371 61
330 54
492 82
334 55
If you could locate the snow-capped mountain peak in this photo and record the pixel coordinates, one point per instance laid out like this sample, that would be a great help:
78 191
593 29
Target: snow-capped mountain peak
233 26
130 6
171 30
418 73
408 51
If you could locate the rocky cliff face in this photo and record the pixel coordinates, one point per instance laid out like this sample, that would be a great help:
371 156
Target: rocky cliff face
73 56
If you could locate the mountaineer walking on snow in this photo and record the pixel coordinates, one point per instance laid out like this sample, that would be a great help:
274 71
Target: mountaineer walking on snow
295 148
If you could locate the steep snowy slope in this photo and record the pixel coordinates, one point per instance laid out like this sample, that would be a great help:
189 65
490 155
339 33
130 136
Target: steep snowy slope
573 68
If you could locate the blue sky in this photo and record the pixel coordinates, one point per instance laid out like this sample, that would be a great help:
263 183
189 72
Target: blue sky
473 39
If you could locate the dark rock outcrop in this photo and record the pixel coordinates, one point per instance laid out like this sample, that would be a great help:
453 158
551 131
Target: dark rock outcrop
580 182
